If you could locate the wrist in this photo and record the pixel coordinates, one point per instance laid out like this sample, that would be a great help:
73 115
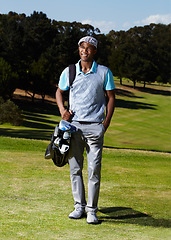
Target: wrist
62 111
106 124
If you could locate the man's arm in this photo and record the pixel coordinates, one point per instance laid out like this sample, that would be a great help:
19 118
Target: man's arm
65 114
110 107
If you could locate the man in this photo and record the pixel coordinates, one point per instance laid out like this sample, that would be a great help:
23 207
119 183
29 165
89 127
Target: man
88 93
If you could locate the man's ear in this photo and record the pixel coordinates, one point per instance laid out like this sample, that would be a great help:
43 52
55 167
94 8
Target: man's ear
95 50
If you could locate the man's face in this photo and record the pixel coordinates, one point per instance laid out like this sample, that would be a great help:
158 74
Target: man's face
87 51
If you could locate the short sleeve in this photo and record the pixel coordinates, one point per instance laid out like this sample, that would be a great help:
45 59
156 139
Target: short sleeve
109 82
63 81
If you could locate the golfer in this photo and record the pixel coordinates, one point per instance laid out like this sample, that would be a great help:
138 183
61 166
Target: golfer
93 84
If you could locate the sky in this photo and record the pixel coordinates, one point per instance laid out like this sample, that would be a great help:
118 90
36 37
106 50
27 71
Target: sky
106 15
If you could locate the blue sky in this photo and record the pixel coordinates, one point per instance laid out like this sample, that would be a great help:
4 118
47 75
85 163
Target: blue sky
105 14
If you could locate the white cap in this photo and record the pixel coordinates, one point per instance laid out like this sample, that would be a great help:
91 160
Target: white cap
88 39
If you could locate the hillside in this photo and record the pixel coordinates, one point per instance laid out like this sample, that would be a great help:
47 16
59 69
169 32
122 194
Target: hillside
142 118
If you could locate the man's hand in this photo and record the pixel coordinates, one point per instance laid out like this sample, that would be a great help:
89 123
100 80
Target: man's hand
109 108
66 115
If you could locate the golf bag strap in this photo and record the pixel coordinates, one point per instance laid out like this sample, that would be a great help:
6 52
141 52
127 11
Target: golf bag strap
72 73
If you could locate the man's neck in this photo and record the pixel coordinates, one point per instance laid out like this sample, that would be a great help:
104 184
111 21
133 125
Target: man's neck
86 66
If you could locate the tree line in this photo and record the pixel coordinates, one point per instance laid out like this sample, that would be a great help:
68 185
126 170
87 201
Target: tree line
35 49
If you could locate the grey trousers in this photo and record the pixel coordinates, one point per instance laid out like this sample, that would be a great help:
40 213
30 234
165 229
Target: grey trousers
89 137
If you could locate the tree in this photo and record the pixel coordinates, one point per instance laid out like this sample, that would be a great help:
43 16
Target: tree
37 49
161 51
11 43
132 56
40 78
103 52
8 79
118 53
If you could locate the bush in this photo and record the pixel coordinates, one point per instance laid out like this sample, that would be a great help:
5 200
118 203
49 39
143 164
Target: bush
10 113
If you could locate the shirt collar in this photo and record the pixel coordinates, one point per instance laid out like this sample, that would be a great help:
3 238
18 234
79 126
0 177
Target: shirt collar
93 68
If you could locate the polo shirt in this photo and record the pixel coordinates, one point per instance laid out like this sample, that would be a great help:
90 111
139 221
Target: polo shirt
87 93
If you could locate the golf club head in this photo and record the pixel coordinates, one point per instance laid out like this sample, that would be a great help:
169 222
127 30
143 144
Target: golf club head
66 126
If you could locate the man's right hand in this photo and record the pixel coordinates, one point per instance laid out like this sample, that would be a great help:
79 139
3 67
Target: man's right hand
66 115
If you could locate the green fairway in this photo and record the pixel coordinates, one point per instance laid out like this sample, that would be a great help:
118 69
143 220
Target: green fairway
36 198
142 119
135 196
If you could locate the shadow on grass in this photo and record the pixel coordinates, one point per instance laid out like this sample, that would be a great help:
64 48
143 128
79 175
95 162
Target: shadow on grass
36 120
131 104
120 103
154 91
37 107
39 134
151 90
129 215
33 122
39 125
125 93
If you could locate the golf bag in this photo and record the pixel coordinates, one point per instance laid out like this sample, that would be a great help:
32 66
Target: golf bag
58 148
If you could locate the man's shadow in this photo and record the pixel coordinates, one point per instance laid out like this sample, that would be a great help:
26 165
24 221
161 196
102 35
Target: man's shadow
130 216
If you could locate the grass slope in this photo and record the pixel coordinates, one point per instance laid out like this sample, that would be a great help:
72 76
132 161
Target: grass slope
36 198
142 119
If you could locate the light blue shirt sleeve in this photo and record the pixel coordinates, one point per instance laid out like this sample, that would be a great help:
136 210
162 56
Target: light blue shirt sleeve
109 82
63 80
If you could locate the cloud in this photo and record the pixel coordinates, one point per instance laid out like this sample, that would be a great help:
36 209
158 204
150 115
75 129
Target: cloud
165 19
104 26
126 25
158 18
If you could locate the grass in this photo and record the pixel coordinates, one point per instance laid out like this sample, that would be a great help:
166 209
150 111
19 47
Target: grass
142 119
135 197
36 198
